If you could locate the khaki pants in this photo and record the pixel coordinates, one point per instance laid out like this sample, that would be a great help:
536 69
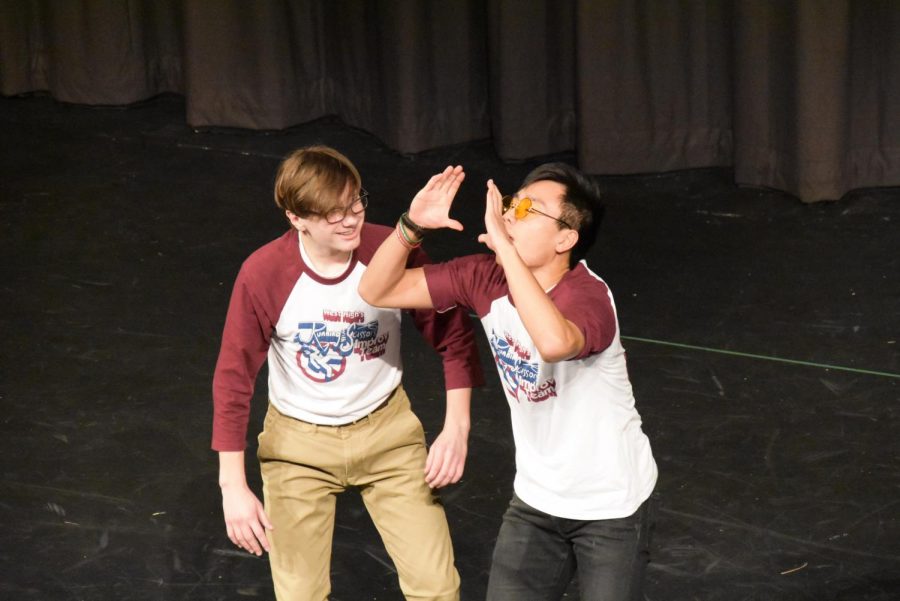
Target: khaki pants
304 467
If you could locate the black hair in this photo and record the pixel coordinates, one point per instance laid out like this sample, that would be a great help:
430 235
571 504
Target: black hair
582 207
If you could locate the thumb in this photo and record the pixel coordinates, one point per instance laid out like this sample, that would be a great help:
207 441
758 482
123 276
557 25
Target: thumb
264 519
429 460
453 224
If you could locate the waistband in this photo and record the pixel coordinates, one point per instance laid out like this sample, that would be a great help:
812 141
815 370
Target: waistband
381 406
366 416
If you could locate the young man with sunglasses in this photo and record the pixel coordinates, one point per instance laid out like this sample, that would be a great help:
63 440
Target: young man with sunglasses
338 416
584 468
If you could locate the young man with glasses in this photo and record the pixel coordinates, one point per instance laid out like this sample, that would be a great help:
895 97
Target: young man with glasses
338 416
584 468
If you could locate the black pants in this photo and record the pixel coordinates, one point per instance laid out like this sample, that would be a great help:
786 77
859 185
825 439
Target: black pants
537 554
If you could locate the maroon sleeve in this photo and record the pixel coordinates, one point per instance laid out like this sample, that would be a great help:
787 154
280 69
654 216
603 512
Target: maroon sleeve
474 282
585 301
450 333
262 286
245 343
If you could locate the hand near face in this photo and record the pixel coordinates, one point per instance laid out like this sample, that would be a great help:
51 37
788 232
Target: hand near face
430 208
496 237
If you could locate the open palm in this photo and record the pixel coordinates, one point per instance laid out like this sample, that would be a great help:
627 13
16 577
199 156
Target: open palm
431 206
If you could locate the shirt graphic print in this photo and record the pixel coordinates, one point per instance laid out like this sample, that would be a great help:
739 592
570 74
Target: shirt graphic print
326 345
518 372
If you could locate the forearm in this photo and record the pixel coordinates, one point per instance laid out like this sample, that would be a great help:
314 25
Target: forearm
231 469
385 270
387 282
457 417
555 337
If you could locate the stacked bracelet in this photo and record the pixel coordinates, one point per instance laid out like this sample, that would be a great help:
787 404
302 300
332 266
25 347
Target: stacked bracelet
404 239
409 233
412 226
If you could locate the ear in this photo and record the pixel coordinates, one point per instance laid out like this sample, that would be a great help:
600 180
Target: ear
566 240
298 223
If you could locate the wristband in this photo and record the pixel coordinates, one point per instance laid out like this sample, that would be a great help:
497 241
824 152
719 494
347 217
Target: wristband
411 225
405 239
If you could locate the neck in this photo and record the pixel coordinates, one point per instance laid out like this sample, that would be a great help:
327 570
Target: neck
549 275
326 261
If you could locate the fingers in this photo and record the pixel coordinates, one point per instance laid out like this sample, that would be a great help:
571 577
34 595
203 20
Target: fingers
444 466
434 181
259 538
249 533
250 536
239 534
454 180
447 180
242 535
431 205
494 197
259 527
490 202
264 518
446 473
450 474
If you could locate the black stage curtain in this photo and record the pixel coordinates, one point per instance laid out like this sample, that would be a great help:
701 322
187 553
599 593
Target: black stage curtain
802 95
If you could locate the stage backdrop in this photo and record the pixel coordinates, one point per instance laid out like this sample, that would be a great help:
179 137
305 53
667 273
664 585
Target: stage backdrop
802 96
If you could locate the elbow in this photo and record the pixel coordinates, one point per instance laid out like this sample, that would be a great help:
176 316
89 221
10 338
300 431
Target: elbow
366 293
556 346
556 351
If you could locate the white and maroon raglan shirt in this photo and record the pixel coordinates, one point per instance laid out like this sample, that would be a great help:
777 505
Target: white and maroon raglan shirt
332 357
580 450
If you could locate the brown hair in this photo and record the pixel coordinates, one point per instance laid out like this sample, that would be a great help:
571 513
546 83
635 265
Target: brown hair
311 180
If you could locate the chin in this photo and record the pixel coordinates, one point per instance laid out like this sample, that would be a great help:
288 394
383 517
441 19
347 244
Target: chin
351 243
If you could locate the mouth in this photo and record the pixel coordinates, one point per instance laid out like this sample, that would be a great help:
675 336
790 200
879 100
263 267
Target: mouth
349 234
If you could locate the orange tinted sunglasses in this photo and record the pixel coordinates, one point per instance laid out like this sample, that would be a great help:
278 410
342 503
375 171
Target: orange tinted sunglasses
523 206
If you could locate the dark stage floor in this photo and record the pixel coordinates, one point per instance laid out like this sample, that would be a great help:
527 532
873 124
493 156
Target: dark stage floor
763 339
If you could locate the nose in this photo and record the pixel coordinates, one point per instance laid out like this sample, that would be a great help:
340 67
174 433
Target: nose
509 216
351 219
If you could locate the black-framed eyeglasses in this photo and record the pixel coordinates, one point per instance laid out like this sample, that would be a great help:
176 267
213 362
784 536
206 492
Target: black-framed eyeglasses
523 206
356 207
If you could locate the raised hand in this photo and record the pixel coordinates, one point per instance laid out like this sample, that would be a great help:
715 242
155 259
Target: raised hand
430 208
493 219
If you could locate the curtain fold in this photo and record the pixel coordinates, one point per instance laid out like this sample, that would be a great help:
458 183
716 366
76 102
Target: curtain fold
654 86
23 54
802 96
91 51
409 72
871 156
791 89
532 77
